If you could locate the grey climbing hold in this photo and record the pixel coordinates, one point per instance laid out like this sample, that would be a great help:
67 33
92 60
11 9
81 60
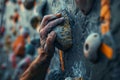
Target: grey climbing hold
29 4
35 20
85 5
64 35
91 46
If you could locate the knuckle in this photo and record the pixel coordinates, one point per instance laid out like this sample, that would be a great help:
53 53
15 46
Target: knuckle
45 18
50 36
49 24
49 40
41 32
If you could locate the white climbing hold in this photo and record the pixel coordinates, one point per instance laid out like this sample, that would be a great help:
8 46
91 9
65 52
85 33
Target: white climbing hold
91 46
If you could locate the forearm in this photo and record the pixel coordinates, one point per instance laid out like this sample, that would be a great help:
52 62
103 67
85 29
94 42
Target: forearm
38 68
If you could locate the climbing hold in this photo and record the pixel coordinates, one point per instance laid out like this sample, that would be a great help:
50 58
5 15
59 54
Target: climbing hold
68 78
35 20
91 46
2 31
29 4
85 5
19 2
64 35
105 16
108 47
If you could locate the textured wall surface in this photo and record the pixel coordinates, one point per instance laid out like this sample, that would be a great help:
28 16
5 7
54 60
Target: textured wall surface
82 25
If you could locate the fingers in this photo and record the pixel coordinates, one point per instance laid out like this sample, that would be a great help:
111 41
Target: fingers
50 26
49 46
47 18
47 24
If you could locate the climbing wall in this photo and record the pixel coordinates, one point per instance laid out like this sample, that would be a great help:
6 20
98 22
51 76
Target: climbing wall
82 25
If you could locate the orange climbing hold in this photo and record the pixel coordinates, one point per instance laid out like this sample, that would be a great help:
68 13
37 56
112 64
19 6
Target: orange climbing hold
105 13
105 26
61 59
107 51
105 16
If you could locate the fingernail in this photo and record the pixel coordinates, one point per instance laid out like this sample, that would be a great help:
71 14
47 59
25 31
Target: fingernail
58 15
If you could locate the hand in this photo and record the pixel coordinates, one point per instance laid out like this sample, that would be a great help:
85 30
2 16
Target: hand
47 36
38 68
